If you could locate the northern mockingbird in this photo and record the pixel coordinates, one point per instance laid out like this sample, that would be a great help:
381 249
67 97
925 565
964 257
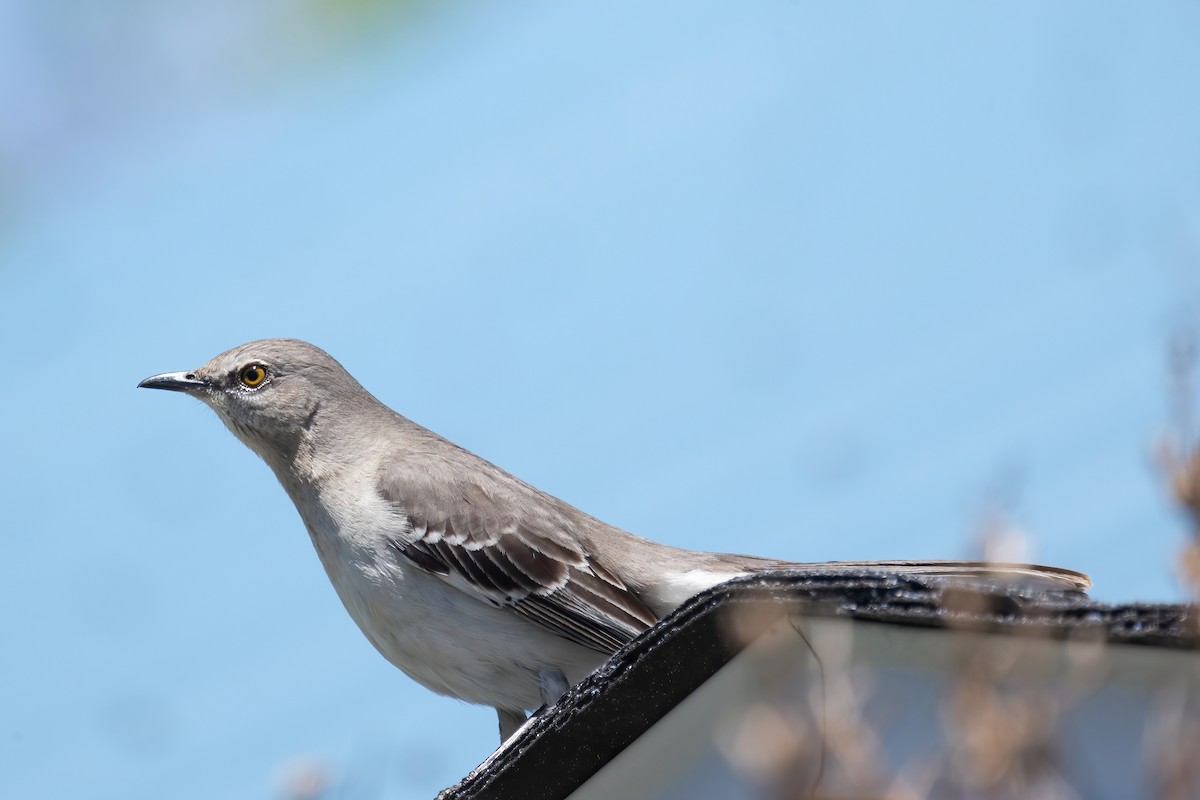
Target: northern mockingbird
474 583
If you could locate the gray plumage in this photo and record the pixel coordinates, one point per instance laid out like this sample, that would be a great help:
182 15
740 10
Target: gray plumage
474 583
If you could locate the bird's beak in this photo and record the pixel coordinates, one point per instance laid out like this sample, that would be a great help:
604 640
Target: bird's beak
174 382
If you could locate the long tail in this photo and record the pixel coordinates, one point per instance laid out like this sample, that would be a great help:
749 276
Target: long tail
694 571
1035 574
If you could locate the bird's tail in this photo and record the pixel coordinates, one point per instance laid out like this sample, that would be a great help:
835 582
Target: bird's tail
709 569
1035 575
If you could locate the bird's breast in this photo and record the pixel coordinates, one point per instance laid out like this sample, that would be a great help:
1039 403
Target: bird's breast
445 639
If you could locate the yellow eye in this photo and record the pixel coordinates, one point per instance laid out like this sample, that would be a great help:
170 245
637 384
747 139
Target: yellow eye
253 375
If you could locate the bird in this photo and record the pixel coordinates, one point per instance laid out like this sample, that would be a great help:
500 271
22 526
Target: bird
472 582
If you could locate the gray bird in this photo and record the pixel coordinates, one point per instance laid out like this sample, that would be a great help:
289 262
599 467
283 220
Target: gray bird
474 583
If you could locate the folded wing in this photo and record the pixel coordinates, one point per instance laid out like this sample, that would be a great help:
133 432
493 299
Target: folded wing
486 542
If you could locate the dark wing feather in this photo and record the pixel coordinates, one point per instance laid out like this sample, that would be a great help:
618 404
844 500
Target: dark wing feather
475 536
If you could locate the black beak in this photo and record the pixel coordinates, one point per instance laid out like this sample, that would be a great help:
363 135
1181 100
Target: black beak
174 382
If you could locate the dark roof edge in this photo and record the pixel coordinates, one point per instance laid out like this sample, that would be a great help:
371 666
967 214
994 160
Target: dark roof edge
566 744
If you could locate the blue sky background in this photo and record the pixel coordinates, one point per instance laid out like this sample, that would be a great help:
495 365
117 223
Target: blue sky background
811 280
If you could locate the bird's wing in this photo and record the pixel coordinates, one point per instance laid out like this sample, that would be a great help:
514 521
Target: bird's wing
512 546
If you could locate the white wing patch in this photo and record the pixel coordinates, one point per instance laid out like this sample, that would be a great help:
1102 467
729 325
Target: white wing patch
677 588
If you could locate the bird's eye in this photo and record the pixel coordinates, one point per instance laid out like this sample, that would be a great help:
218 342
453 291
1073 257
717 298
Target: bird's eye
253 375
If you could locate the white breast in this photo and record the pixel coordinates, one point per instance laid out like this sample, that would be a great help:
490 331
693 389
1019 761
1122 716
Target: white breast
445 639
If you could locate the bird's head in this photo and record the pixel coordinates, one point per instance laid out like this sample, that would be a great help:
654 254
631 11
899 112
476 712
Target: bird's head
269 392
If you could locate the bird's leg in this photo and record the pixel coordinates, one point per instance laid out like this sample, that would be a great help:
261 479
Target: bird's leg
510 722
553 685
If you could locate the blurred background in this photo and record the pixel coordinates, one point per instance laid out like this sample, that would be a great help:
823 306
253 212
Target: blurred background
811 280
